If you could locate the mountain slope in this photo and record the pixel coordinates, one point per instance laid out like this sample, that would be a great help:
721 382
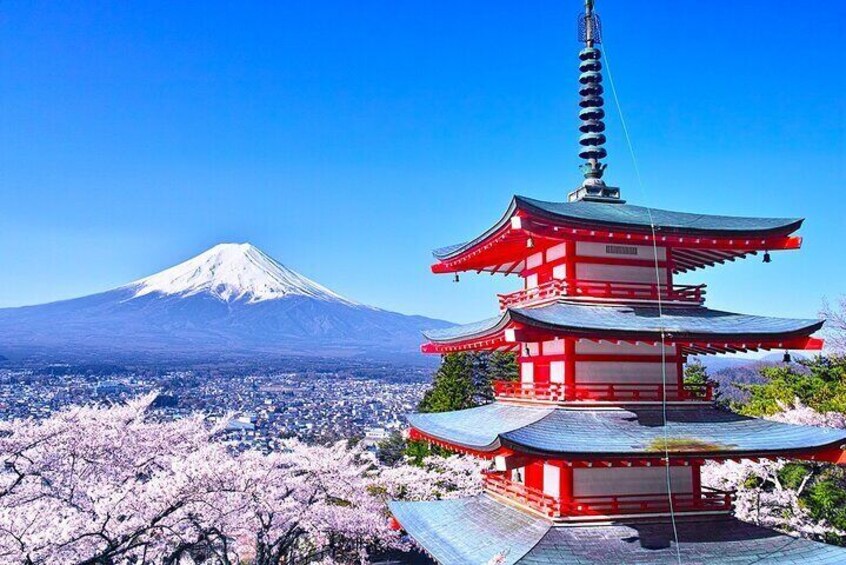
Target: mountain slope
231 301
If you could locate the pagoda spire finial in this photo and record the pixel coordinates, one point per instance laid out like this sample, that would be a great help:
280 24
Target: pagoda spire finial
592 138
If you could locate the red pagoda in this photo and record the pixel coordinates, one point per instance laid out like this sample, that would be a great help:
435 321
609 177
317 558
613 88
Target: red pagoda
597 448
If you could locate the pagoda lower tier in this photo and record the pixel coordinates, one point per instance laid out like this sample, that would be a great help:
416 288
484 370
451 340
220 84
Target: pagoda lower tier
484 529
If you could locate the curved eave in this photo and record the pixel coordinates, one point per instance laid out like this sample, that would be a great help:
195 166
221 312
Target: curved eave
671 329
481 529
586 435
502 248
699 329
475 430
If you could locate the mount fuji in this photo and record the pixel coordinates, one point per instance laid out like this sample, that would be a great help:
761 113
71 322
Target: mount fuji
230 302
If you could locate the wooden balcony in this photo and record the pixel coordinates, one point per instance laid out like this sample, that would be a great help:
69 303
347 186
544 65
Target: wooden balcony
709 500
624 291
604 392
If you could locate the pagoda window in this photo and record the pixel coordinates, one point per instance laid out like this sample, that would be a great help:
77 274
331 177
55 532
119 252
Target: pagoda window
639 252
617 481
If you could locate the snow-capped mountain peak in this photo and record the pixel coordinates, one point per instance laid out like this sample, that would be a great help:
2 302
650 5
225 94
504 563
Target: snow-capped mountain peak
234 271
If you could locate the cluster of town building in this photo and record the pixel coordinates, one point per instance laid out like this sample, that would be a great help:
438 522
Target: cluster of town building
267 408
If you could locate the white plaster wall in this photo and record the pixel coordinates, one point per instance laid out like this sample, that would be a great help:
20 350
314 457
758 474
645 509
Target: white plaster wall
527 372
554 347
623 372
556 252
619 273
534 260
556 372
551 480
631 480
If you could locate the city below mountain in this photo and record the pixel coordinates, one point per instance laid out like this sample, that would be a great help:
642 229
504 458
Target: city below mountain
230 302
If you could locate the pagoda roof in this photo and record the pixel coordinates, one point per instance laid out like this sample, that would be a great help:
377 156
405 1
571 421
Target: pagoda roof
476 530
575 319
586 434
700 239
626 216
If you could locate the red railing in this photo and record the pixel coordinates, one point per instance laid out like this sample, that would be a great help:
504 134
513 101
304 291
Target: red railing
531 497
632 392
709 500
694 294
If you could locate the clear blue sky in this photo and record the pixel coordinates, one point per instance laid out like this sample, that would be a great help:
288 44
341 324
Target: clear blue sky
347 139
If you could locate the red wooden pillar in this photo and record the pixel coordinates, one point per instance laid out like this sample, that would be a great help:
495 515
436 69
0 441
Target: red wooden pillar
570 260
566 488
669 270
569 368
696 470
534 475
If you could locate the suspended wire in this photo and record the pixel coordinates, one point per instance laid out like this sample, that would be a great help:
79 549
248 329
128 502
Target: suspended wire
660 304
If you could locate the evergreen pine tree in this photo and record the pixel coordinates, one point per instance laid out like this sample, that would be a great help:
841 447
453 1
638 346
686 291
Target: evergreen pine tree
696 375
503 366
453 386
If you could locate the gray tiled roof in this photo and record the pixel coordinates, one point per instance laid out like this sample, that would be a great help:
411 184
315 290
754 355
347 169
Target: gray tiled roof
634 217
478 428
469 530
681 322
568 432
472 531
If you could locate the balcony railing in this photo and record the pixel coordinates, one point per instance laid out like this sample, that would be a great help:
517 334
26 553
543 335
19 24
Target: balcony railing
692 294
709 500
631 392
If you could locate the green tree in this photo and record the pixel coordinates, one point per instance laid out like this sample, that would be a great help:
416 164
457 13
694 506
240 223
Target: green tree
391 450
819 383
503 366
453 386
489 367
696 375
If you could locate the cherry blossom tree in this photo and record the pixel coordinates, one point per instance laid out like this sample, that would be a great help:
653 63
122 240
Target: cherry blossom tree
114 485
770 493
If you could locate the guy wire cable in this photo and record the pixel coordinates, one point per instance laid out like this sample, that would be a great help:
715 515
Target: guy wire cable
660 304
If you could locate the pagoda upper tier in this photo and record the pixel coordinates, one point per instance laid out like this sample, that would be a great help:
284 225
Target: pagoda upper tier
696 331
634 434
686 241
